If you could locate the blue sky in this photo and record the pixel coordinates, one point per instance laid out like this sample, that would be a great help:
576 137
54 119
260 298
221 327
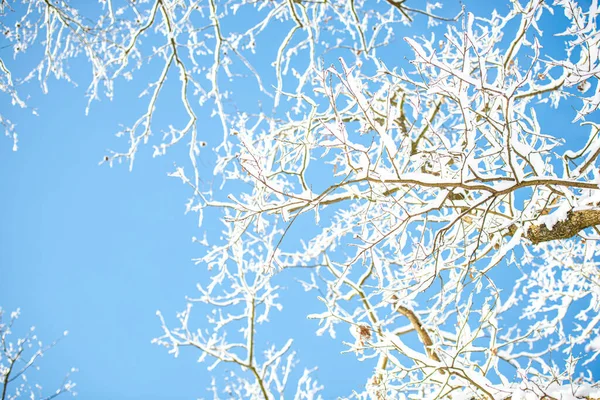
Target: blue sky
97 250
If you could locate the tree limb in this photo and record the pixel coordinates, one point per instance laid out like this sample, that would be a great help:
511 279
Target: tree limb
575 222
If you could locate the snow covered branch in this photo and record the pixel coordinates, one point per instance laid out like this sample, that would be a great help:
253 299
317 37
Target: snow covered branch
371 179
18 359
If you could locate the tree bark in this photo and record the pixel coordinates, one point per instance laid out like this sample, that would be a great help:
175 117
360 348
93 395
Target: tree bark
575 222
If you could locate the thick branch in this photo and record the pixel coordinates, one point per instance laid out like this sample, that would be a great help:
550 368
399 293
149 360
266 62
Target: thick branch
575 222
418 326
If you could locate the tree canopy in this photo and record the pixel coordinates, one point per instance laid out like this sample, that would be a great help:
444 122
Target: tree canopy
400 160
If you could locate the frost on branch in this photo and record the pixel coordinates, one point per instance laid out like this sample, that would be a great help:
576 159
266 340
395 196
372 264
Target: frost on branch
442 223
63 34
427 185
237 304
19 358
